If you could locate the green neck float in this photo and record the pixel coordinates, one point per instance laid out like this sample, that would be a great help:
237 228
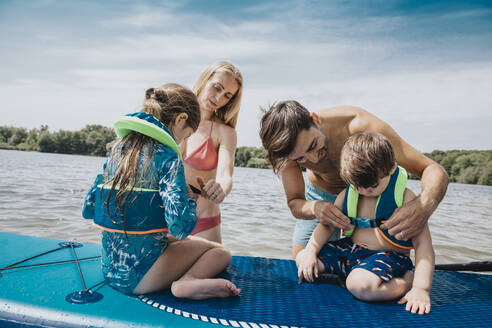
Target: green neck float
127 124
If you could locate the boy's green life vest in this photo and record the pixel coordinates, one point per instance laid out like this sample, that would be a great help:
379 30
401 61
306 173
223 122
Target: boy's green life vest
387 203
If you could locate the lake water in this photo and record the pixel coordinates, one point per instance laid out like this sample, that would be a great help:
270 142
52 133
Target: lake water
42 195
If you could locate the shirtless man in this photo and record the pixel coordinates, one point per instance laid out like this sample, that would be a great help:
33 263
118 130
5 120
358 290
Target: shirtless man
294 138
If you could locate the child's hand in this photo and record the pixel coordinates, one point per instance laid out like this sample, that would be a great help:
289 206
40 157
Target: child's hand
418 300
211 190
306 266
190 193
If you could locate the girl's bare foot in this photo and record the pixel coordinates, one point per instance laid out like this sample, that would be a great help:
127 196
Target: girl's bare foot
200 289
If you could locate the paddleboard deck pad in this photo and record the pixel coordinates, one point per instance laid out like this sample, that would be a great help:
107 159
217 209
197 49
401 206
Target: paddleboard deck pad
39 296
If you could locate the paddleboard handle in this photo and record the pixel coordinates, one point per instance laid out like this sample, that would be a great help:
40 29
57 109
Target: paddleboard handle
70 244
86 295
83 297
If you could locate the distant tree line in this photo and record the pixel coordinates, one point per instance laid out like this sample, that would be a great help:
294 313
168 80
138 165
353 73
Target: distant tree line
251 157
91 140
463 166
466 166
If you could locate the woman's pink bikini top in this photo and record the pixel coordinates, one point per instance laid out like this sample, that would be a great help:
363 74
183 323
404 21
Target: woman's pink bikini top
205 157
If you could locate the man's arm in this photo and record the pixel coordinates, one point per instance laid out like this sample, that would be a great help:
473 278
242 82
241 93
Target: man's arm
293 182
412 217
325 212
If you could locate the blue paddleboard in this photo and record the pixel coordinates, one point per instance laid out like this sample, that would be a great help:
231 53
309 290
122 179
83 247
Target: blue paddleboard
43 296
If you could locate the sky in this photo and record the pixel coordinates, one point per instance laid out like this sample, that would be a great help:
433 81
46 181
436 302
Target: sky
424 67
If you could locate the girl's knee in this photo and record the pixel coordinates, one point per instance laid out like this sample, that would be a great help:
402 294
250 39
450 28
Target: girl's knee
223 254
226 253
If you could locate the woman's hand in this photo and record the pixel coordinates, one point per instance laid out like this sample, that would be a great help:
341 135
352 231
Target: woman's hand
211 190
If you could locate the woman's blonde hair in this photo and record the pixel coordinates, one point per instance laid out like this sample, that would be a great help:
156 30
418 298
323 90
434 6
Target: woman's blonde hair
230 111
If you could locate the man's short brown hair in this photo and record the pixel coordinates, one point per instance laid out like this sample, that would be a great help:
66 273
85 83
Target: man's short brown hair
280 126
366 157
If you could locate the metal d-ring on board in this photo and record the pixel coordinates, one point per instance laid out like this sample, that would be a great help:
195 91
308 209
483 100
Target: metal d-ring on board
86 295
80 297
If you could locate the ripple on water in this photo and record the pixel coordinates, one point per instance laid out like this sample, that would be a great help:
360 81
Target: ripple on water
42 195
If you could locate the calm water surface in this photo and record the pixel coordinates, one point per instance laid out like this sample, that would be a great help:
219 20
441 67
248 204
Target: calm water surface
42 195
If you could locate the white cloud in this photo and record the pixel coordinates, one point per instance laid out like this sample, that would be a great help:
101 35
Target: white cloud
320 62
422 100
148 18
467 13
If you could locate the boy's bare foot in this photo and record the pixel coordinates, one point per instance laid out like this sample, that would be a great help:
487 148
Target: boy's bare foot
200 289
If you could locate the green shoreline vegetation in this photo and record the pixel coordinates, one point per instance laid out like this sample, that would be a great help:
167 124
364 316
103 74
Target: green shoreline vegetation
463 166
91 140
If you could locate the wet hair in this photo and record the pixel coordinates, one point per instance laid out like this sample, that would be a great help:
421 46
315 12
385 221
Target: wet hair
164 103
280 125
230 111
366 157
171 99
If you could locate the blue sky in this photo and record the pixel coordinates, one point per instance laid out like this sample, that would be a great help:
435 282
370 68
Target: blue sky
425 67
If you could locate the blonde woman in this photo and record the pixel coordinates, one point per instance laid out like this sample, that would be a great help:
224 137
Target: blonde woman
209 152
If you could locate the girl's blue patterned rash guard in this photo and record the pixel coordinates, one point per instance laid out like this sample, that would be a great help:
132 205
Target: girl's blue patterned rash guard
165 172
162 201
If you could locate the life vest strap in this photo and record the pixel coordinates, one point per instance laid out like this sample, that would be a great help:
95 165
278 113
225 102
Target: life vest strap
365 222
106 186
131 232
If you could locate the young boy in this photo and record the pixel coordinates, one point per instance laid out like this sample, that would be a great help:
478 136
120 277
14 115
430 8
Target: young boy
377 265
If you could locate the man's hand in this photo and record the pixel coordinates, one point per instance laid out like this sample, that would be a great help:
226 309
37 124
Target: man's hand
407 221
329 214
